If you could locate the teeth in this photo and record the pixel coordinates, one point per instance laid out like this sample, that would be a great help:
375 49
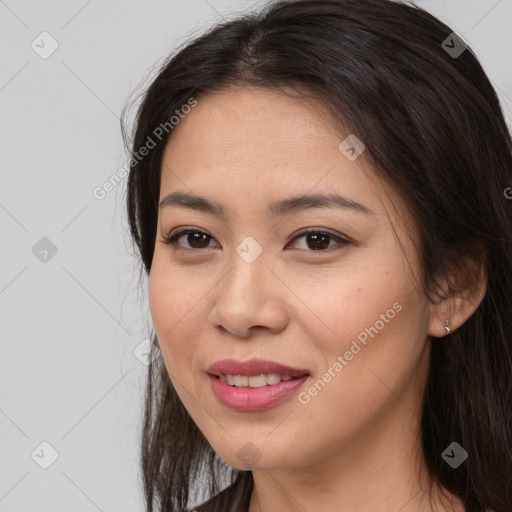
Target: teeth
241 380
275 378
254 381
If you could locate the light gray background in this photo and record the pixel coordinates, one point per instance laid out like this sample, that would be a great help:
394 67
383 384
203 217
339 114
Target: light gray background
70 324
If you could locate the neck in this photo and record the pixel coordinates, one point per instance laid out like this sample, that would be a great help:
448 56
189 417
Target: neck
372 471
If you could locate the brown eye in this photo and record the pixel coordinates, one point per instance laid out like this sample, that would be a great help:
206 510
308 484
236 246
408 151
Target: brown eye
196 239
317 240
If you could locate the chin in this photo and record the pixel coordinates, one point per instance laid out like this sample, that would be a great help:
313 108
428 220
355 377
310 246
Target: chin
256 454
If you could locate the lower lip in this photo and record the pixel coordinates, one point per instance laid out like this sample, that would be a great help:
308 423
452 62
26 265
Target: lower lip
254 399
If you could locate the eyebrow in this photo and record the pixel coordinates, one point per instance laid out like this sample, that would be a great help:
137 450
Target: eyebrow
290 205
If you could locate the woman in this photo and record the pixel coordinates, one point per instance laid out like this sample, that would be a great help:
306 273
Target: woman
318 196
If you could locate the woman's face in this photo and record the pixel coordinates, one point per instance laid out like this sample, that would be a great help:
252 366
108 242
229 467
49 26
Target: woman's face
341 305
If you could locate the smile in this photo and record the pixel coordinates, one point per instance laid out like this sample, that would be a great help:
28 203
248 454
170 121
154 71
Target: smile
255 381
247 398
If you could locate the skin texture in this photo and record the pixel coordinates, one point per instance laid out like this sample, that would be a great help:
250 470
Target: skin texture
355 445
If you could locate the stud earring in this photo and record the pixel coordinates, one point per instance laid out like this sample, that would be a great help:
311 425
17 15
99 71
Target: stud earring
448 331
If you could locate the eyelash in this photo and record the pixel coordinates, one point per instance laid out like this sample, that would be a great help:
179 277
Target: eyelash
173 239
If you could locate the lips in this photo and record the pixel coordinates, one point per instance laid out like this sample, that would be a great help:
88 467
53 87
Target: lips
253 367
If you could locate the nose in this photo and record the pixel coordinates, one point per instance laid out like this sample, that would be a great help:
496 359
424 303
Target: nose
249 298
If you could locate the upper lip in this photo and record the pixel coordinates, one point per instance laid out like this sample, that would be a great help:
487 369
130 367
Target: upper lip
253 366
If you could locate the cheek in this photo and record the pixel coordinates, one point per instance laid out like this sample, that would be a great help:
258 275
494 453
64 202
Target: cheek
372 320
178 301
161 301
169 302
173 295
341 304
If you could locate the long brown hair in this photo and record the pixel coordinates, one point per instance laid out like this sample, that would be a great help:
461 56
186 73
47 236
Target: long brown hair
433 127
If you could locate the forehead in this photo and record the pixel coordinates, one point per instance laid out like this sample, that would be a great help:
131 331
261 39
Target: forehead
246 145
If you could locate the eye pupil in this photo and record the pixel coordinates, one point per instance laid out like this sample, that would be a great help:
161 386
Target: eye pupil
196 237
315 239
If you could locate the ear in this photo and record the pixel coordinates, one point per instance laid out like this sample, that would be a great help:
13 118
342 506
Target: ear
463 289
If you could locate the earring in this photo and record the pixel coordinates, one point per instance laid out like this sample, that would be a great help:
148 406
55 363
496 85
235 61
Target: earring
448 331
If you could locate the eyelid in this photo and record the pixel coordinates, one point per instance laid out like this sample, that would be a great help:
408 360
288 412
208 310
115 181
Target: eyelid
172 238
